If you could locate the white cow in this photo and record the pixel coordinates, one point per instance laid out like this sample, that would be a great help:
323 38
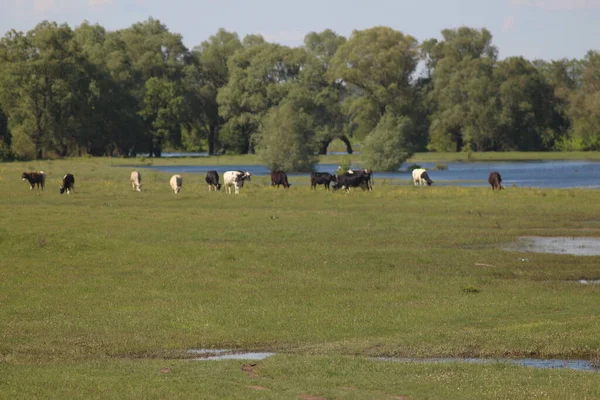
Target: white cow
136 181
420 177
235 179
176 183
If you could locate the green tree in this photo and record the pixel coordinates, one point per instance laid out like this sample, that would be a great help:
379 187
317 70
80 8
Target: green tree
379 62
463 98
163 108
585 105
285 141
260 78
527 118
324 96
205 80
388 146
45 85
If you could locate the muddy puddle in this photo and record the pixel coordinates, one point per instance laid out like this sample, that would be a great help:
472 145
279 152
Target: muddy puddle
222 354
570 245
577 365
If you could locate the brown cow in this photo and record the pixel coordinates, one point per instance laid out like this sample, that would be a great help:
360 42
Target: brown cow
34 178
279 178
495 180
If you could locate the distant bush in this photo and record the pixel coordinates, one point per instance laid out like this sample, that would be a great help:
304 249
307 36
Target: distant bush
440 167
412 167
345 163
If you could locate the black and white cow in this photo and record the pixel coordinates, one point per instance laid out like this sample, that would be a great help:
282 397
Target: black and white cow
367 173
321 178
347 180
212 179
35 178
68 184
421 177
279 178
235 179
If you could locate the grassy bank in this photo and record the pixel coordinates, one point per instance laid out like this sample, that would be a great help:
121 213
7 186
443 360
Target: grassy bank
102 288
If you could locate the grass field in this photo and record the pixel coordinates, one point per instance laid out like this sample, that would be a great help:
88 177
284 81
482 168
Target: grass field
102 289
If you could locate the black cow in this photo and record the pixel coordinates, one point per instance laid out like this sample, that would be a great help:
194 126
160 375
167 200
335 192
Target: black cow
279 178
367 173
347 180
321 178
212 178
35 178
68 184
495 180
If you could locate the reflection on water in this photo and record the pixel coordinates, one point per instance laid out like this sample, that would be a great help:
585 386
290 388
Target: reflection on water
578 365
576 246
539 174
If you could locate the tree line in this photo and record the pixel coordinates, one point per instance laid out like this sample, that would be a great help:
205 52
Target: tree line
139 90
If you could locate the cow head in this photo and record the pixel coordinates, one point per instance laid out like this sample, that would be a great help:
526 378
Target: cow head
62 189
218 186
24 176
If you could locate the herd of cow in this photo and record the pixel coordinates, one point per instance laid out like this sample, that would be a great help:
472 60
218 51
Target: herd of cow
234 180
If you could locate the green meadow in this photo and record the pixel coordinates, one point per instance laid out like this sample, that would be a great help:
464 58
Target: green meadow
102 292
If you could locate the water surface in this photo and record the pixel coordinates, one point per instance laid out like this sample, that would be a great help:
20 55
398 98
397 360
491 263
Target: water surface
535 174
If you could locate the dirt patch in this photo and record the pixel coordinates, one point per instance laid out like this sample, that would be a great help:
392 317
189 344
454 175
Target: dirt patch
251 369
309 397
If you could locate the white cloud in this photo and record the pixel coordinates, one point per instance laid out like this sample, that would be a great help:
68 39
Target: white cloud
509 23
557 4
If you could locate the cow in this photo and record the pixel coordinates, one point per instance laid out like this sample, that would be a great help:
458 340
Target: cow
176 183
347 180
495 180
136 181
367 173
279 178
321 178
421 177
68 184
235 179
212 178
35 178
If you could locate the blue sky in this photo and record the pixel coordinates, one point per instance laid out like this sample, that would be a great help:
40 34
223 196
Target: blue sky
548 29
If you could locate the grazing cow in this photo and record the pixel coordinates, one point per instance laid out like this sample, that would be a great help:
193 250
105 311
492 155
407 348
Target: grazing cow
136 181
68 184
347 180
176 183
235 179
212 178
279 178
35 178
420 177
368 173
495 180
321 178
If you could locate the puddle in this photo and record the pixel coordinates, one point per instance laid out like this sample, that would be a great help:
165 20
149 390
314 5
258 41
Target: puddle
221 354
589 282
576 246
577 365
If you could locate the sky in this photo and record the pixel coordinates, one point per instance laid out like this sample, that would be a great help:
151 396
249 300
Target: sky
546 29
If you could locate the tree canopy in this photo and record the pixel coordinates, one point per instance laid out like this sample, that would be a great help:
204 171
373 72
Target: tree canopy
87 90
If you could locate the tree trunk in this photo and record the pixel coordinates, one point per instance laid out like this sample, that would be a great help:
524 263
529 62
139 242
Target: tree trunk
346 141
212 130
323 147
